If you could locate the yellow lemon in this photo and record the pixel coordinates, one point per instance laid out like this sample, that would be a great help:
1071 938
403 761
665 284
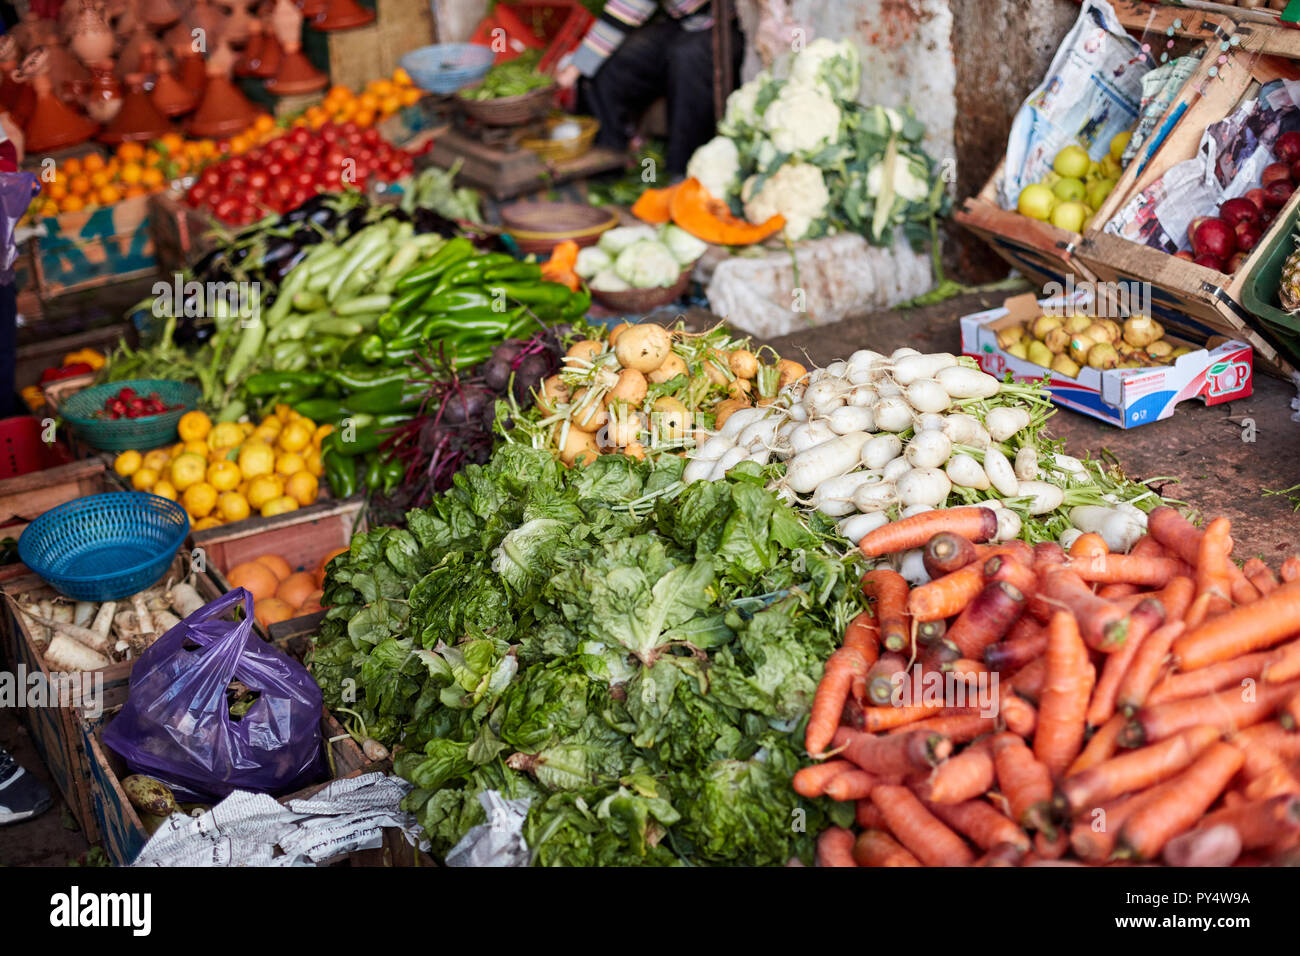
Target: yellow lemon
232 506
128 463
289 463
246 428
256 458
282 412
194 426
322 432
302 487
157 459
188 470
312 459
199 499
295 437
261 490
166 490
222 453
266 436
242 488
272 421
144 478
278 506
194 448
223 475
225 435
203 524
176 449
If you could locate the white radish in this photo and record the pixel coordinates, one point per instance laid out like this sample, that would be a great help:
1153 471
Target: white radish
966 472
83 613
713 449
763 430
864 358
797 412
1069 465
62 613
830 459
186 600
962 382
1134 512
912 567
1001 475
823 397
881 450
861 374
1044 496
908 368
849 418
892 415
1068 537
698 469
863 396
1009 525
923 486
81 635
860 525
759 456
928 450
1121 531
928 422
1026 464
740 420
963 429
1002 423
835 497
810 435
875 496
927 395
65 654
837 368
165 621
103 622
915 510
899 353
728 461
896 468
887 389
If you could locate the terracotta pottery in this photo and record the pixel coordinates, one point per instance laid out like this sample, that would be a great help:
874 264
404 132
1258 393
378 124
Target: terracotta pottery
190 69
102 96
312 8
128 60
224 110
92 37
342 15
238 22
205 16
138 121
159 14
53 124
250 58
269 61
171 96
28 31
64 70
123 14
17 97
296 75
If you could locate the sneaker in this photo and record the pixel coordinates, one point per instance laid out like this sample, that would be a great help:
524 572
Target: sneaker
22 796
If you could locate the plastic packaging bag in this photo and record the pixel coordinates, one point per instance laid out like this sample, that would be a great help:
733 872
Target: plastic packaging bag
176 725
16 192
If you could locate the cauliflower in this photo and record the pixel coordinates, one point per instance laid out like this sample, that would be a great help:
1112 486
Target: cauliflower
911 178
742 112
647 264
619 238
835 65
684 247
796 191
802 120
607 281
592 259
716 165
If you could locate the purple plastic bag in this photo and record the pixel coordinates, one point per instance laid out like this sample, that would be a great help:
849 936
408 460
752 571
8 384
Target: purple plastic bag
16 192
176 724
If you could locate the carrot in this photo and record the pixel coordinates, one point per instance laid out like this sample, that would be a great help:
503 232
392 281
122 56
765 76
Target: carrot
1051 847
1207 680
1020 716
878 848
1148 547
939 653
1229 711
1257 823
883 677
1290 570
853 785
973 523
1018 549
1289 716
927 632
811 781
1212 565
959 728
894 754
1245 628
1024 782
888 589
1259 574
1181 802
863 636
1048 555
1004 854
876 719
1199 611
1265 746
1028 681
1181 539
1102 625
1088 545
1026 641
1145 668
1009 568
1145 619
1285 666
945 596
981 823
1136 770
1277 781
963 777
1101 746
946 552
1125 569
1063 706
1112 592
844 666
929 840
835 847
986 618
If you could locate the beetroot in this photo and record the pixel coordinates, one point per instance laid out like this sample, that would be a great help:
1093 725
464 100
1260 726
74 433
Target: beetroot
1287 147
1275 173
1235 211
1214 237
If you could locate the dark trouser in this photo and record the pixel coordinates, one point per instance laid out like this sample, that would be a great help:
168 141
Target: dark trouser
8 351
659 59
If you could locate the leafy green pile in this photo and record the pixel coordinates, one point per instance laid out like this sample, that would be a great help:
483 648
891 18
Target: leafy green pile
635 657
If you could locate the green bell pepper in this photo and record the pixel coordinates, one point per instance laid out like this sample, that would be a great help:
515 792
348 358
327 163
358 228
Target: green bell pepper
278 383
426 272
340 473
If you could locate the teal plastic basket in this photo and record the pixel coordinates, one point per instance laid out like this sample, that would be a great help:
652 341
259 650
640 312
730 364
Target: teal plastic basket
105 547
108 434
1259 293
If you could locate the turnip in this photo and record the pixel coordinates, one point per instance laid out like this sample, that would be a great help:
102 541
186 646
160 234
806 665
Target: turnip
760 456
863 396
810 435
1004 422
849 418
875 496
928 422
1134 512
1044 496
643 347
911 565
798 413
896 468
913 365
928 450
1120 531
743 363
1068 464
1001 475
892 415
861 374
915 510
830 459
629 386
1026 465
823 397
864 358
964 429
740 420
698 469
887 389
966 472
713 449
1068 537
728 461
763 430
837 368
881 450
835 497
1009 525
860 525
962 382
927 395
923 486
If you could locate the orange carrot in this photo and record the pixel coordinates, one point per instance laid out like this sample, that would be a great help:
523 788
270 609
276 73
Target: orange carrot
1182 539
863 635
888 589
981 823
1259 574
1289 715
945 596
1020 716
1063 707
883 678
811 781
1147 547
844 666
853 785
1111 592
1136 770
1004 854
1212 562
1146 618
1259 823
1207 680
1199 611
1095 833
1051 847
963 777
960 728
1103 626
1229 711
1183 801
1277 781
835 847
1265 746
974 523
1026 641
946 552
876 719
1048 555
1023 781
1145 668
987 617
1125 569
1088 545
929 840
878 848
1245 628
1007 567
1285 666
1101 746
1290 570
868 816
895 754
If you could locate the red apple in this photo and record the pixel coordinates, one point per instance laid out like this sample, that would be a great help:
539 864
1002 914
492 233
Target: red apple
1239 210
1210 262
1214 237
1194 225
1256 196
1277 193
1275 172
1295 171
1266 218
1184 254
1248 236
1287 147
1235 263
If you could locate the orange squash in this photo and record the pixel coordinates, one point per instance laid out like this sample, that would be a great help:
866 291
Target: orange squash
709 219
654 205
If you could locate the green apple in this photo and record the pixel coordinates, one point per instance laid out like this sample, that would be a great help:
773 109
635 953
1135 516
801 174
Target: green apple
1070 216
1069 189
1119 143
1036 201
1111 167
1072 161
1094 172
1098 191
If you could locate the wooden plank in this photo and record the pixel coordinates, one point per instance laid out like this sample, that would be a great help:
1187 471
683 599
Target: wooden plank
1143 16
49 349
29 496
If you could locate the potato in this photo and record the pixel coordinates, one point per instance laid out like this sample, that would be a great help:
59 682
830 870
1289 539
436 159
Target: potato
743 363
643 347
1103 355
1065 365
585 350
1080 345
670 420
624 428
1057 341
553 392
579 447
630 388
1160 349
725 409
635 450
1077 324
673 366
590 417
788 372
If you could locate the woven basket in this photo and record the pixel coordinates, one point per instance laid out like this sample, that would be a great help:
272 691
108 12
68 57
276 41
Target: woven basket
123 433
508 110
560 150
640 301
538 227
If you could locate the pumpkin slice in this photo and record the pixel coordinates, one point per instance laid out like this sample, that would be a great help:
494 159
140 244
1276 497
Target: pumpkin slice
709 219
654 205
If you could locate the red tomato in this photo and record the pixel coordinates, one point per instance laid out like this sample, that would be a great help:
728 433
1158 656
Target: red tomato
275 169
211 177
226 207
258 179
371 136
304 180
281 190
198 194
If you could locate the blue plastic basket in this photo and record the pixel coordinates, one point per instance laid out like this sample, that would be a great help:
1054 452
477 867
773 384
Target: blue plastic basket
105 547
447 67
108 434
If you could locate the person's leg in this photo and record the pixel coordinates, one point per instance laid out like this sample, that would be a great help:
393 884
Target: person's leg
691 122
8 351
629 81
22 796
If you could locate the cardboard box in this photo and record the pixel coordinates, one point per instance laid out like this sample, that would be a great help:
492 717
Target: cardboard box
1125 398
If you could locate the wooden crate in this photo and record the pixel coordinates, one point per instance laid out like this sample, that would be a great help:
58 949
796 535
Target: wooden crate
35 357
181 233
373 51
24 498
94 248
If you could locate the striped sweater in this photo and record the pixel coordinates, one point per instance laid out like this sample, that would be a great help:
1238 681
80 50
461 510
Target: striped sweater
620 17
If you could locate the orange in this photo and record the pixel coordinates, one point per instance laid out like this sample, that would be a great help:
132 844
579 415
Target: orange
166 490
256 458
256 578
295 437
131 173
158 459
302 486
278 506
312 604
130 152
172 142
390 104
144 479
56 190
264 122
225 435
71 167
152 177
324 563
278 565
410 96
101 178
199 448
92 162
109 195
261 490
364 117
338 92
294 589
188 470
194 426
79 185
312 459
271 611
203 524
133 192
401 76
127 463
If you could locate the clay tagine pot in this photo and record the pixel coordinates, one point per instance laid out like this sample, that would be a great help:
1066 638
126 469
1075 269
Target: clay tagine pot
92 38
102 95
171 96
205 16
296 74
128 60
18 98
159 14
312 8
64 70
250 58
224 110
190 69
123 14
28 31
138 121
238 22
272 52
342 15
53 124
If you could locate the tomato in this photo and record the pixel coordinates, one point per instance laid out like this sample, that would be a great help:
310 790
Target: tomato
258 179
211 177
281 190
299 136
198 194
275 169
315 148
304 180
394 169
300 196
371 136
237 164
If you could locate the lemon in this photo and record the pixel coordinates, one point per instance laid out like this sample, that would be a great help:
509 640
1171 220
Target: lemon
302 487
203 524
246 428
199 499
232 506
261 490
144 478
166 490
226 435
224 475
256 458
176 449
272 422
266 436
188 469
158 459
282 412
128 463
289 463
313 462
322 431
199 448
295 437
222 453
194 426
278 506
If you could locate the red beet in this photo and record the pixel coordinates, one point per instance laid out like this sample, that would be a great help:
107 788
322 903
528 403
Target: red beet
1248 235
1287 147
1239 210
1214 237
1277 193
1256 196
1295 171
1210 262
1275 173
